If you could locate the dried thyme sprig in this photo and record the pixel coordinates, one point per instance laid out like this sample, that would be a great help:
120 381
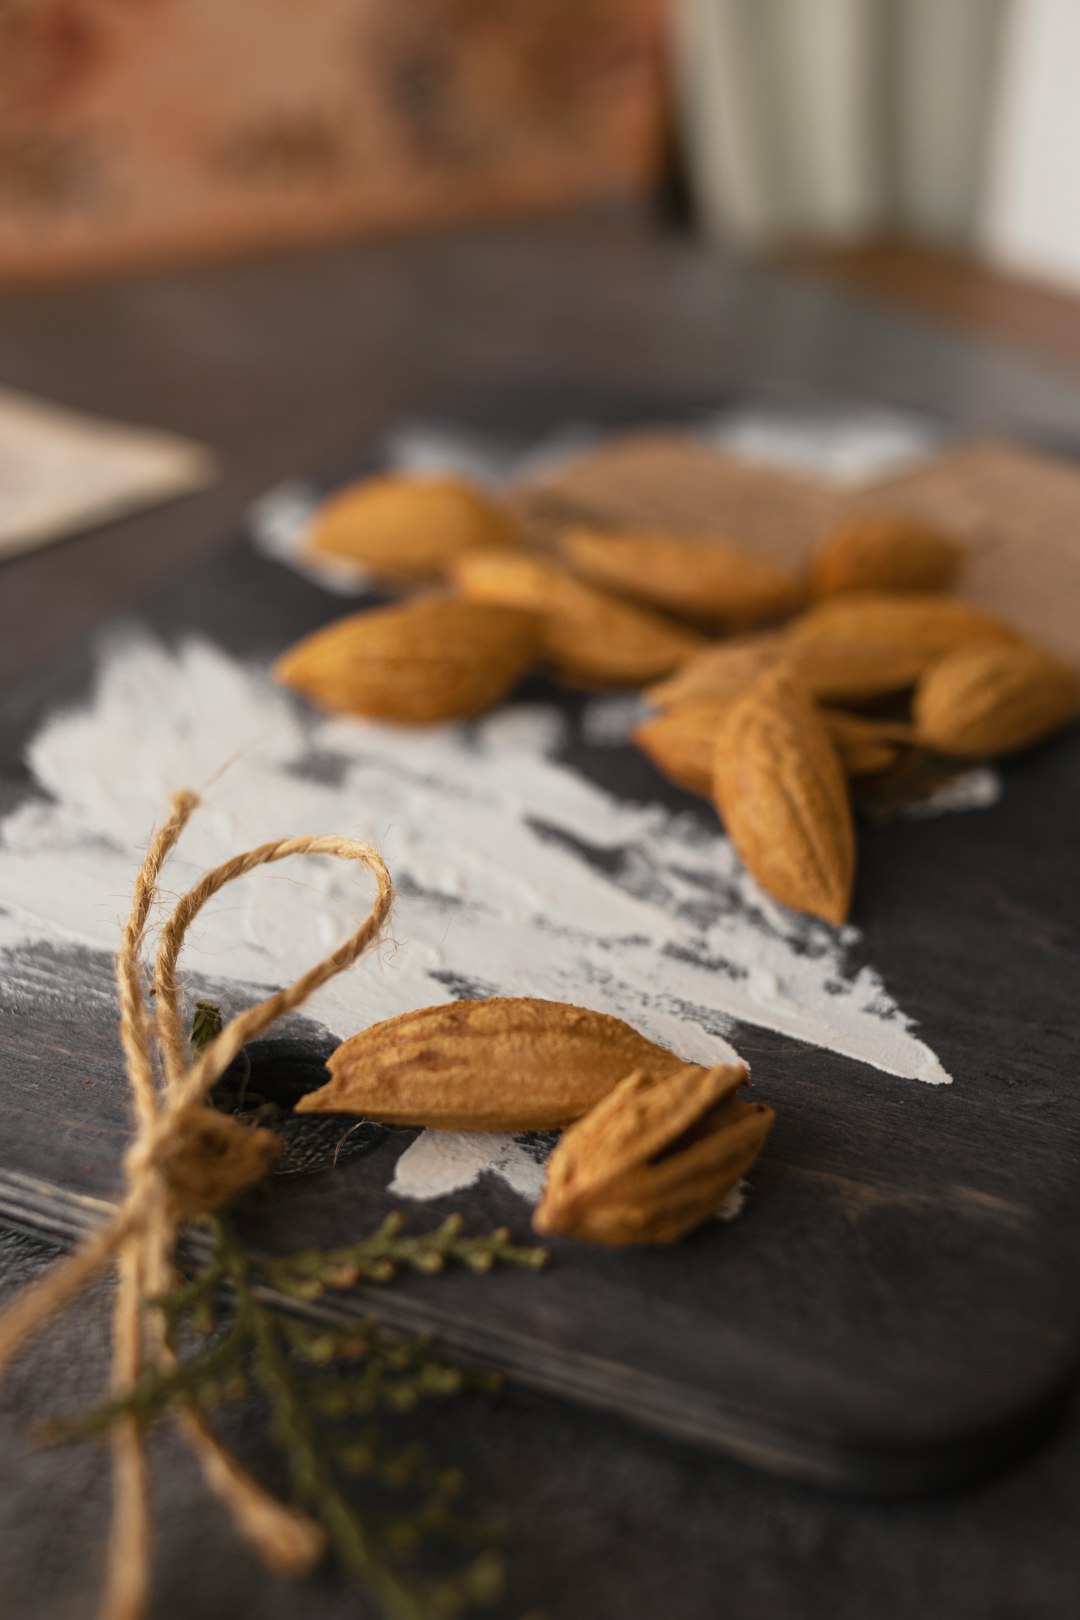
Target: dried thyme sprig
377 1258
329 1392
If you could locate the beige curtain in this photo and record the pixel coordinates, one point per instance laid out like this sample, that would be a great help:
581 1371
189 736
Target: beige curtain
837 118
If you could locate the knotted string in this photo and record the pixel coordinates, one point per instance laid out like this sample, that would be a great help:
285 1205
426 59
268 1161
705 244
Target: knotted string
184 1160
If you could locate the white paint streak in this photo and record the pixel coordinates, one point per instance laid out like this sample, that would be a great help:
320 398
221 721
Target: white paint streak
733 1202
842 446
974 790
443 1162
515 875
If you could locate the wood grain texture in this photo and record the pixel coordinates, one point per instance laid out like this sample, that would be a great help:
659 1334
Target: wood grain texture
894 1311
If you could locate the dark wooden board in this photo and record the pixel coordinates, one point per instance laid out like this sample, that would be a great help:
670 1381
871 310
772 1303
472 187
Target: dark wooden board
894 1311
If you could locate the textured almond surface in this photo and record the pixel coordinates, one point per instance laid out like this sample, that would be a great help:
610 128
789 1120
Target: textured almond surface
589 636
783 797
409 528
503 1064
993 699
859 646
718 674
423 662
703 580
654 1158
884 553
681 742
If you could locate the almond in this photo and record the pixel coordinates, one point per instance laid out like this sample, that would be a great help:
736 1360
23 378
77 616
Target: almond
994 698
781 792
703 580
655 1158
884 552
681 742
425 661
409 528
591 638
504 1064
860 646
718 674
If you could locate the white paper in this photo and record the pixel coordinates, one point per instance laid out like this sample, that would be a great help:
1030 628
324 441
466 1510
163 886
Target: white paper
62 471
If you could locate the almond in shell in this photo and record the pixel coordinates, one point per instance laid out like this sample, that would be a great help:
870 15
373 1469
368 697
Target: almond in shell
781 792
591 638
855 647
655 1158
719 673
681 742
409 528
707 581
504 1064
994 698
884 552
422 662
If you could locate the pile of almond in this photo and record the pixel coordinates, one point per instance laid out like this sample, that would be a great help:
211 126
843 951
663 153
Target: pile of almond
777 696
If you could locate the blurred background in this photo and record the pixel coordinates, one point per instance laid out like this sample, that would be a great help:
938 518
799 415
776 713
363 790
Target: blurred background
407 200
136 131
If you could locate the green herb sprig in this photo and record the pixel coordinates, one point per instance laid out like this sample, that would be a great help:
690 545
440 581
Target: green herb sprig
329 1392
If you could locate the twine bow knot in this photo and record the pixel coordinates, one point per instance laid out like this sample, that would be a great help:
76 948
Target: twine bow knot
201 1160
185 1160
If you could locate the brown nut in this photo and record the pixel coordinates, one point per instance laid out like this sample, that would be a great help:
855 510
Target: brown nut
884 552
707 581
591 638
509 1063
419 663
994 698
655 1158
781 792
409 528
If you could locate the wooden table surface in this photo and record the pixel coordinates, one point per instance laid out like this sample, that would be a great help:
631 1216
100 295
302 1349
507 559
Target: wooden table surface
281 365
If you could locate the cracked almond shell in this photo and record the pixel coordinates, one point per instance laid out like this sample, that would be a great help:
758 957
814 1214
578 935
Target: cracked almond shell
655 1158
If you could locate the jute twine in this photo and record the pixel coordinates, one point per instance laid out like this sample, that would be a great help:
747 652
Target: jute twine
185 1160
